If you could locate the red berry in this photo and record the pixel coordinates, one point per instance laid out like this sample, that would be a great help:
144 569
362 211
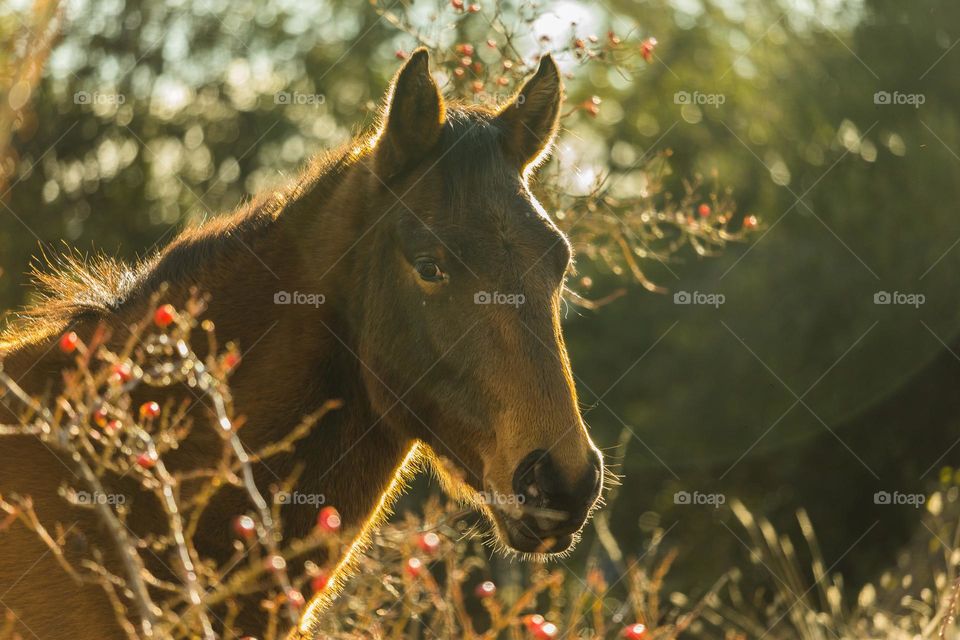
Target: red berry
485 589
634 632
533 622
613 38
149 410
503 81
329 519
473 8
578 43
592 106
121 372
647 47
704 210
401 54
464 49
231 360
547 630
457 4
492 43
164 315
477 86
295 598
319 582
113 427
750 222
100 416
68 342
428 542
147 460
245 527
413 567
458 72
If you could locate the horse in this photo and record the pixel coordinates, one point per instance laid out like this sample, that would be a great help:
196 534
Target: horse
441 279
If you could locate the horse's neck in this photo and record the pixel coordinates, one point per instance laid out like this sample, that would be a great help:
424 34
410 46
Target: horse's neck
299 355
294 356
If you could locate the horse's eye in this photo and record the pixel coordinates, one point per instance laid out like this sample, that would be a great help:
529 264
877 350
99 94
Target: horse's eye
429 270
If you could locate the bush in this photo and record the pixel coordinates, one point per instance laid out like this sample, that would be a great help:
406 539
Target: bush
421 575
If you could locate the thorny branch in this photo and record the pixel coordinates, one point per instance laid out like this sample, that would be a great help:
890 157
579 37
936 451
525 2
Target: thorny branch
94 427
625 221
422 576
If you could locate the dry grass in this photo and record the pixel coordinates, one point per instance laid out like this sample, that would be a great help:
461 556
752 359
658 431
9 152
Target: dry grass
917 598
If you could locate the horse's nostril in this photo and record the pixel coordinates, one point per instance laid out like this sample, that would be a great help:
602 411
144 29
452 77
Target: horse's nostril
546 478
537 482
527 479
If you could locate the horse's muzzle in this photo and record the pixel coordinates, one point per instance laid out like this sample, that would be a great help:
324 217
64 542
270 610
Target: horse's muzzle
551 508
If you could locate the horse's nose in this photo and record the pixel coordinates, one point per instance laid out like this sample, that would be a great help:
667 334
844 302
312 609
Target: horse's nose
555 502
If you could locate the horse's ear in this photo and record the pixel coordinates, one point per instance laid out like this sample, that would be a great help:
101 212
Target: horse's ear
414 116
530 121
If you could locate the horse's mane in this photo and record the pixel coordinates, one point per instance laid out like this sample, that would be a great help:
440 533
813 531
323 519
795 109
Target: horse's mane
67 286
71 285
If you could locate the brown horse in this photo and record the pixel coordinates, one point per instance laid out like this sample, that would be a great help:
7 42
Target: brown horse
441 278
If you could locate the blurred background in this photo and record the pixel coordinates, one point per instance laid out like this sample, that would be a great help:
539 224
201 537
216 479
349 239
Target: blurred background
818 361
